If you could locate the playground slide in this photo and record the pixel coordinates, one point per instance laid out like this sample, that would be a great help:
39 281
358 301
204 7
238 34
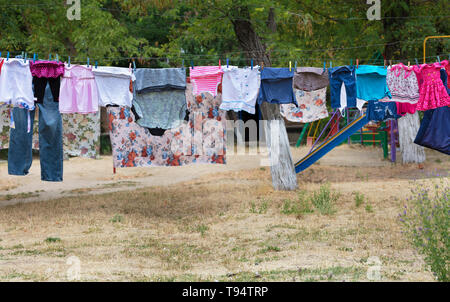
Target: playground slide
331 143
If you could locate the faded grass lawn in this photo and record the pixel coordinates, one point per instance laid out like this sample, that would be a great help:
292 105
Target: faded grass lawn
226 227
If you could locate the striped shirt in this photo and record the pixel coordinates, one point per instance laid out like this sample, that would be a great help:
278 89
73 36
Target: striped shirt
206 79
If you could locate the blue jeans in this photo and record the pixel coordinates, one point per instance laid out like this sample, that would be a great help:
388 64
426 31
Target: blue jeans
381 111
339 75
51 155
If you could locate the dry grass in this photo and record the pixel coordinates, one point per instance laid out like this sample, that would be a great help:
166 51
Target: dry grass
229 226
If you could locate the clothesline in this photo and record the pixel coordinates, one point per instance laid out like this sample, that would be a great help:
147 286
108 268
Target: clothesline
232 60
288 51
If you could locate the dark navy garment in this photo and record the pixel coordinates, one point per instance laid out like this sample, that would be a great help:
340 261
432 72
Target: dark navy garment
276 86
50 140
338 75
445 79
434 129
381 111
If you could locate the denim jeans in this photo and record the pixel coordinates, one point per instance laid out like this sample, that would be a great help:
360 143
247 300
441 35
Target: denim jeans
339 75
50 141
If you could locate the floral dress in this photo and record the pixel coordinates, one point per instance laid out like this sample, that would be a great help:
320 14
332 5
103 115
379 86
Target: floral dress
432 91
201 139
311 106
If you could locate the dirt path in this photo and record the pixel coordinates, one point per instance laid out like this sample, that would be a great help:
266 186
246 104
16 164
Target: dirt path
96 177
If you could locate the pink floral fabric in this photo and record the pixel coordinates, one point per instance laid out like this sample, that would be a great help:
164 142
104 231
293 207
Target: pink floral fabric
81 133
47 69
403 84
4 127
200 140
432 91
311 106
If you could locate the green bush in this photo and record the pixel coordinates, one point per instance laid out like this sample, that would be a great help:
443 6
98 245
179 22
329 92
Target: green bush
323 200
425 221
298 207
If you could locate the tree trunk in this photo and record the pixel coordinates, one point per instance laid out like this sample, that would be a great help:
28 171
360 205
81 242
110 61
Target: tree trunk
281 163
408 126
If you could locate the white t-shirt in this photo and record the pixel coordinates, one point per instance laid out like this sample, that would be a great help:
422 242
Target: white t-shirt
359 102
114 85
240 87
16 84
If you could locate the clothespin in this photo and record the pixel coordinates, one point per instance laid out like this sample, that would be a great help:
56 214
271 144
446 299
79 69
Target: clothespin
34 58
129 67
324 65
357 63
390 63
351 62
96 64
25 58
219 64
251 62
50 57
409 64
439 59
69 61
228 61
192 64
417 62
182 63
87 62
0 54
331 64
262 65
290 66
384 63
295 68
22 54
7 56
57 58
134 65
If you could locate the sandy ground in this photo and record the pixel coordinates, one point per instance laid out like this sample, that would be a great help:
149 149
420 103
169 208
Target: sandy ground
96 176
209 223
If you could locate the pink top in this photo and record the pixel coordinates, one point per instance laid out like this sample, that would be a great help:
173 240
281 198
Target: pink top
447 68
206 79
432 91
47 69
403 84
404 108
78 92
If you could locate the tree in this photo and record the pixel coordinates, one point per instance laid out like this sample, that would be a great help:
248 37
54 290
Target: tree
408 126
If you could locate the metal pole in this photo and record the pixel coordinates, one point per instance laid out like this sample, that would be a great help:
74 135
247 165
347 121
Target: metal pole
323 130
299 141
425 45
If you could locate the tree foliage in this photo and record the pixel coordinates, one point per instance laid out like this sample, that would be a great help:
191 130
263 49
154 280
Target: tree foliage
165 32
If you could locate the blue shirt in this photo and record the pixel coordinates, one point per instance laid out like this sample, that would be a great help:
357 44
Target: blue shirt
276 86
371 83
